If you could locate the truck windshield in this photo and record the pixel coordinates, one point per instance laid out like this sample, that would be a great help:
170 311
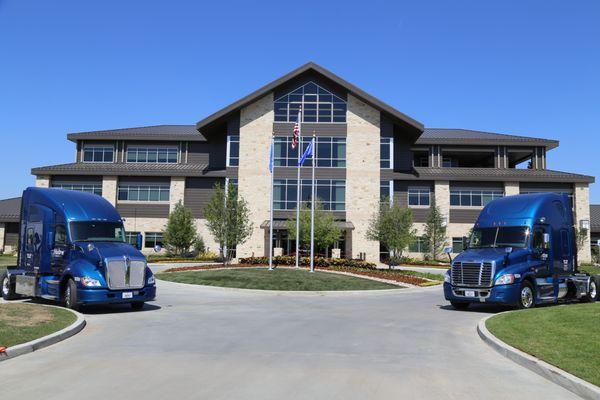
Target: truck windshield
505 236
97 231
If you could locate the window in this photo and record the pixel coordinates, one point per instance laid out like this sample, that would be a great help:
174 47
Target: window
97 231
131 237
149 192
98 154
473 198
386 152
329 152
331 193
153 239
564 238
233 151
457 245
317 104
418 197
158 155
538 240
419 245
448 162
506 236
386 190
80 187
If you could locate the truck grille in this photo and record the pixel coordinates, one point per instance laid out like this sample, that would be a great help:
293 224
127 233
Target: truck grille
472 274
120 276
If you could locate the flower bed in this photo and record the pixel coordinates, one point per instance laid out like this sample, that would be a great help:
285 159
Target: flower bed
305 261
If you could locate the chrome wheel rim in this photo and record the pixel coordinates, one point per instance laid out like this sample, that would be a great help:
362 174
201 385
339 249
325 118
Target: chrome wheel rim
68 297
5 288
593 290
527 297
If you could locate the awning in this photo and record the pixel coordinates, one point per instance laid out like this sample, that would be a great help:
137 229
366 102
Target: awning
282 224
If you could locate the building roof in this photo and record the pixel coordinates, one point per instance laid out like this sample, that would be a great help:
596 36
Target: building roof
154 132
10 210
471 137
311 66
595 217
501 174
141 169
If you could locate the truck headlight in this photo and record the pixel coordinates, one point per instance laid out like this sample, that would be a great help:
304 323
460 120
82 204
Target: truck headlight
505 279
90 282
151 280
448 277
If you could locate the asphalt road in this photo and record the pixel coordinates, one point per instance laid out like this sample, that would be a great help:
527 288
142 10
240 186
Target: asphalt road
212 343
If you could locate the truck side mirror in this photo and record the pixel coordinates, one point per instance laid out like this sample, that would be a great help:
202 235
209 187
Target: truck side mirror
465 242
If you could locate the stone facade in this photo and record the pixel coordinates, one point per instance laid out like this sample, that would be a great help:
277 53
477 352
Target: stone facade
42 181
177 192
256 127
582 213
511 188
109 189
2 231
442 198
362 174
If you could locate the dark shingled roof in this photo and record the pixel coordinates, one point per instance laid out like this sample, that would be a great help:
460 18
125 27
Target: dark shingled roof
501 174
470 137
10 210
595 217
155 132
141 169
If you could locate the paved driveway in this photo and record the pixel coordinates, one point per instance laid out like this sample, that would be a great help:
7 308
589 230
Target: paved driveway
211 343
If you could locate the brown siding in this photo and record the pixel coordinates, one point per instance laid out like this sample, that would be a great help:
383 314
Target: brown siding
401 197
291 214
464 216
319 129
144 180
88 180
198 192
143 210
213 153
306 173
546 187
476 185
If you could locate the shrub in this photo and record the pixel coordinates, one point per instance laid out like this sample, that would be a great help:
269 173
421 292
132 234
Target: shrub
305 261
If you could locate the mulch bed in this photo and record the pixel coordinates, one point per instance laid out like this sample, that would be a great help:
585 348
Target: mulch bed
394 275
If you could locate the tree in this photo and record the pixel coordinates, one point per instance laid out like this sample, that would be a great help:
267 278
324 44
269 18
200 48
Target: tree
392 226
326 232
228 219
435 231
581 237
180 233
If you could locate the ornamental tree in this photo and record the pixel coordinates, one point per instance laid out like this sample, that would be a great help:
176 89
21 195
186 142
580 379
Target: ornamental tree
435 231
180 233
326 232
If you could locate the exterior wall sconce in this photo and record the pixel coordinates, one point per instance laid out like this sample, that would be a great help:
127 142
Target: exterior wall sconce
444 221
584 224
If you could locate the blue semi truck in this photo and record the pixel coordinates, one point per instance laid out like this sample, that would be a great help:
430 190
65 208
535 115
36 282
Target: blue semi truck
72 249
521 252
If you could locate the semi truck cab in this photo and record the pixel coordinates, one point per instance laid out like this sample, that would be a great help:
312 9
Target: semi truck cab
72 249
521 252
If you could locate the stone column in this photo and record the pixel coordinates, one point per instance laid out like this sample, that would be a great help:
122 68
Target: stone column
2 231
42 181
177 192
256 129
442 198
109 189
582 212
511 188
362 174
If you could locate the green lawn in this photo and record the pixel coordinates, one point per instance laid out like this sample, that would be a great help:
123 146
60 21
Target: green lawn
425 275
279 279
20 323
565 336
590 269
6 261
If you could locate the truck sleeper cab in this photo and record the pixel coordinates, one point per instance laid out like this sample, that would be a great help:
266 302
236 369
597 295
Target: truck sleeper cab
522 252
72 249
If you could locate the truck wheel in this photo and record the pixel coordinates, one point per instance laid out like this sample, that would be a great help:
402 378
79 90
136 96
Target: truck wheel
526 296
459 306
8 288
592 293
137 305
70 295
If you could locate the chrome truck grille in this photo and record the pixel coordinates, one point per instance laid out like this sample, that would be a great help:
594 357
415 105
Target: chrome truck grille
125 274
472 274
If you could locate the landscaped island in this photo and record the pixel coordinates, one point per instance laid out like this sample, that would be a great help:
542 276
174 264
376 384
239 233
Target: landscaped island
565 336
21 323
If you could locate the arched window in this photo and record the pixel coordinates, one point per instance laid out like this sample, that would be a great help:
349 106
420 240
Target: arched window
318 105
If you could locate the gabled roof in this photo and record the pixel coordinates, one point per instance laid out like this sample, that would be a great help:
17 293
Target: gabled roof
471 137
311 66
154 132
10 210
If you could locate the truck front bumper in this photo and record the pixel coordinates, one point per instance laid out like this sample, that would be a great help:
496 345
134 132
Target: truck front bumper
501 294
105 296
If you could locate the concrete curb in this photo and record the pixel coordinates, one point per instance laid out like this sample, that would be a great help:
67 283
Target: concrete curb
45 341
568 381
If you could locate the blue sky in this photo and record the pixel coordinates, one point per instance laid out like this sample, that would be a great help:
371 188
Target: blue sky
522 67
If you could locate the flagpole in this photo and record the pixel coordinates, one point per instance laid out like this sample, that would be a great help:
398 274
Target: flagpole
312 209
272 170
298 190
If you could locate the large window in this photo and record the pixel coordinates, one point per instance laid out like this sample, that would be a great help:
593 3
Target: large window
233 151
418 196
386 152
80 187
166 155
134 192
386 190
331 193
98 154
153 239
329 152
457 245
131 237
318 105
473 198
419 245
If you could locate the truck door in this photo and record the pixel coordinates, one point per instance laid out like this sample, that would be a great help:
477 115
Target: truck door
59 253
34 233
542 263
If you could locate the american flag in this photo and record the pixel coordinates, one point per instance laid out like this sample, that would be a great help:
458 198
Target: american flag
296 134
